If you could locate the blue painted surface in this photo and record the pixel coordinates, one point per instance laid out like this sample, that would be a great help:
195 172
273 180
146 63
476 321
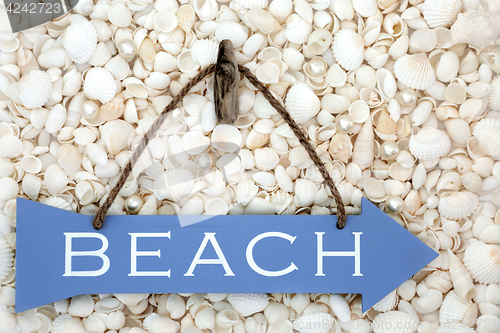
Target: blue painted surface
288 247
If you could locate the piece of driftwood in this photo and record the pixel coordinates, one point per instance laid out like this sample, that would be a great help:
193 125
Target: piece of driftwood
226 84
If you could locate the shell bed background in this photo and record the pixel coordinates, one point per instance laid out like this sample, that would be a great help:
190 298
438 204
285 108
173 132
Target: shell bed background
401 99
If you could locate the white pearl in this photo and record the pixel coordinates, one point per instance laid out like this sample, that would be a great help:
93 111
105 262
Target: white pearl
175 114
316 67
408 97
344 123
394 205
133 204
90 109
127 49
389 150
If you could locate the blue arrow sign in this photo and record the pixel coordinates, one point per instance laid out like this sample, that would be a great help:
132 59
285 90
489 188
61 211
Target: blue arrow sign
60 255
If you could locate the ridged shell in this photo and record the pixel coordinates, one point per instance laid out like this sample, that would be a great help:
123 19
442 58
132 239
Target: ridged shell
67 324
487 132
429 143
458 205
387 303
453 309
173 184
415 71
316 322
115 135
455 329
302 103
441 13
204 52
281 9
394 322
80 40
154 323
6 258
120 15
99 85
297 29
475 28
483 262
252 3
488 323
248 304
8 322
131 299
494 96
81 306
35 89
348 48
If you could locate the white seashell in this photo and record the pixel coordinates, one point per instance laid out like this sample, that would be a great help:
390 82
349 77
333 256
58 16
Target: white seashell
252 3
176 306
268 73
165 62
341 147
8 322
281 9
226 138
6 259
93 324
165 21
99 85
475 28
81 306
115 135
8 188
173 184
233 31
293 58
415 71
454 310
388 302
186 17
305 191
31 185
487 132
131 299
10 146
316 322
226 318
186 63
216 206
492 59
120 15
441 13
155 323
340 307
248 304
343 9
365 8
458 205
302 103
297 29
64 323
35 89
79 40
206 9
348 49
260 19
462 281
482 261
429 143
363 151
487 323
400 322
204 52
31 164
107 305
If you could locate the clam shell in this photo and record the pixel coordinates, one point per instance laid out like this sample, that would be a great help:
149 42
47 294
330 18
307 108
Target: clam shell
248 304
475 28
483 262
35 89
31 185
252 3
302 103
487 132
348 49
266 159
131 299
204 52
297 29
154 323
454 310
67 324
281 9
316 322
81 306
115 135
488 323
415 71
8 322
365 8
9 188
394 321
10 146
99 85
458 205
429 143
226 138
120 15
173 184
441 13
79 40
164 62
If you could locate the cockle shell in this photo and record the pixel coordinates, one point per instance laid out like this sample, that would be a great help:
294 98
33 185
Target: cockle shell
475 28
485 229
429 143
302 103
204 52
399 322
415 71
6 258
115 135
458 205
81 306
462 281
131 299
316 322
281 9
10 146
155 323
119 14
35 89
226 138
173 184
67 324
297 29
348 49
252 3
248 304
454 310
483 262
487 132
99 85
80 40
441 13
388 302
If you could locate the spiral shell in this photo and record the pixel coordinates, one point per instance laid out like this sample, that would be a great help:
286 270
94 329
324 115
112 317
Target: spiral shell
487 132
415 71
35 89
79 40
302 103
458 205
429 143
248 304
348 47
441 13
99 85
483 262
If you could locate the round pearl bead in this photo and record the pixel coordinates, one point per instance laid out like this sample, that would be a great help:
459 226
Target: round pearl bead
394 205
203 161
175 115
316 67
90 109
133 204
389 150
127 49
344 123
407 97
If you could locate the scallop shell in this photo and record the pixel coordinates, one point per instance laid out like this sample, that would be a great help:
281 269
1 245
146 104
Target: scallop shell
67 324
394 321
302 103
115 135
204 52
35 89
415 71
316 322
81 306
248 304
8 322
487 132
155 323
297 29
173 184
6 258
99 85
131 299
441 13
458 205
475 28
10 146
252 3
454 310
348 47
483 262
80 40
281 9
429 143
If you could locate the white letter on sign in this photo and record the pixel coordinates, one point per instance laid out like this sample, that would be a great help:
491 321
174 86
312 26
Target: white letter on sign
356 254
69 254
209 236
251 261
134 254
